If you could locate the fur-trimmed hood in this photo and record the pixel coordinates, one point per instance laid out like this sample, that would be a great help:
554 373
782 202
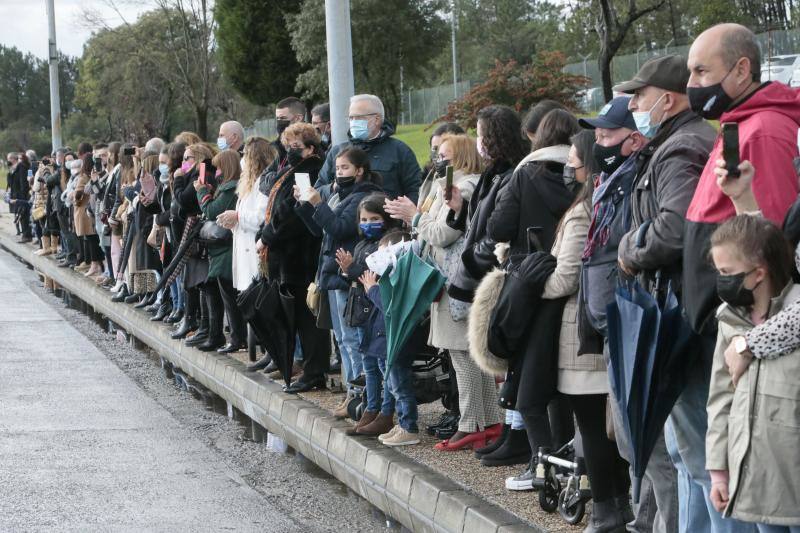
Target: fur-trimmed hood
480 318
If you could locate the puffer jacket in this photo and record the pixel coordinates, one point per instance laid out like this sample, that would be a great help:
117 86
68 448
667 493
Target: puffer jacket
754 429
585 374
668 170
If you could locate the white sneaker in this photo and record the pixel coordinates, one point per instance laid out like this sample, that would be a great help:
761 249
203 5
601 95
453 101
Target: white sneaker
389 433
401 437
523 481
118 287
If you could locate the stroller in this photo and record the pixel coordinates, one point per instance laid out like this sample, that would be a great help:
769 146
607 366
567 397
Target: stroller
563 468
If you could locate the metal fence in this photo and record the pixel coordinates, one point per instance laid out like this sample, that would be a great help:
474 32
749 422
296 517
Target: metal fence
262 128
423 106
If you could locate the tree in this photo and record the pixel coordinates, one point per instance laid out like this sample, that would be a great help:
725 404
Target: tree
255 49
612 31
388 35
518 86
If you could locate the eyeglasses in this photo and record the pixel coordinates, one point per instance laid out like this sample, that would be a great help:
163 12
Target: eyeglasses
188 157
356 117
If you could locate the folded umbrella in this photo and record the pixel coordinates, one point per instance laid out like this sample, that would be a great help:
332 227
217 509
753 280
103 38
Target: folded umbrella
407 293
181 256
650 346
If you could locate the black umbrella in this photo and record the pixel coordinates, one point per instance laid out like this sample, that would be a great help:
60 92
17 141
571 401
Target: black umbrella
269 310
127 245
181 256
651 345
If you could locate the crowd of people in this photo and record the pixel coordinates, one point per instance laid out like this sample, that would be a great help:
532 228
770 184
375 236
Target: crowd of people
570 206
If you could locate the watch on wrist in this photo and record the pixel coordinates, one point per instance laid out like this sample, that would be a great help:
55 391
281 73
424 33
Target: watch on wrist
740 345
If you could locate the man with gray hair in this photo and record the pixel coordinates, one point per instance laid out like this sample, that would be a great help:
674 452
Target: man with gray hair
389 157
154 146
231 136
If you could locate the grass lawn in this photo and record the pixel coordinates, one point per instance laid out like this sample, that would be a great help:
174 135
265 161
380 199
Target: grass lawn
3 182
417 137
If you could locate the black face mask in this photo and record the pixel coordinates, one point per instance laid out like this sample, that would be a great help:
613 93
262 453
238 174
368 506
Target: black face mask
441 167
609 158
294 156
570 181
281 125
710 102
732 291
345 181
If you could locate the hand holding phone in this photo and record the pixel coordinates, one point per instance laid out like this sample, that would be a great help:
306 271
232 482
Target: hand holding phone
201 176
730 148
448 183
303 182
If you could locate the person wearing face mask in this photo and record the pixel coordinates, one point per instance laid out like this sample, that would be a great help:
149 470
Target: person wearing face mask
669 170
390 157
751 442
231 137
292 251
336 221
288 111
321 120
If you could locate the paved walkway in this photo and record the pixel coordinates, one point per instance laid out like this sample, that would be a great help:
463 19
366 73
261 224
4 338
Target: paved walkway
83 448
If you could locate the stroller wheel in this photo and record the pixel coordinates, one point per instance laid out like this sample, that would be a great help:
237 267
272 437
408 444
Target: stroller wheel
355 407
548 495
571 507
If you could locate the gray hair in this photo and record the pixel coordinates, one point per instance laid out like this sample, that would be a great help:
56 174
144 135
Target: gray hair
12 155
154 145
234 127
374 101
31 155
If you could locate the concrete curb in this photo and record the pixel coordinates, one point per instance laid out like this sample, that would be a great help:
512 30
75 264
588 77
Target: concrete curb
409 492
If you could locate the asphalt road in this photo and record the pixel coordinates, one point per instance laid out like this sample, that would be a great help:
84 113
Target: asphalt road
94 437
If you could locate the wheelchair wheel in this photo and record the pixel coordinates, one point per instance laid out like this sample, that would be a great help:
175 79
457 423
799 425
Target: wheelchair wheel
572 514
548 495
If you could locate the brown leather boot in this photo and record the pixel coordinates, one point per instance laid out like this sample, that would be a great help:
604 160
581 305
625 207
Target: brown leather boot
365 419
341 409
382 424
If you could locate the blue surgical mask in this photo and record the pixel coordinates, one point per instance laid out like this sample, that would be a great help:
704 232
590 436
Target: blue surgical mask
163 173
359 129
222 144
371 230
644 122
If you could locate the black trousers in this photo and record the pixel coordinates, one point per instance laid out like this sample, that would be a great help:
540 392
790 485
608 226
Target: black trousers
235 319
69 241
215 309
23 212
315 342
91 249
550 428
608 472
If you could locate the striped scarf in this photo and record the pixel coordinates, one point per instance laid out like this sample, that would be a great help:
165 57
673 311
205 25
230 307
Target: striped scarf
604 208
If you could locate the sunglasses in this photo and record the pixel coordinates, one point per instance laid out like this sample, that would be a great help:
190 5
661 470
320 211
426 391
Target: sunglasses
188 157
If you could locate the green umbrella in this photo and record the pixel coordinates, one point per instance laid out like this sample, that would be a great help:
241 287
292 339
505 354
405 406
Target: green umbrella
407 293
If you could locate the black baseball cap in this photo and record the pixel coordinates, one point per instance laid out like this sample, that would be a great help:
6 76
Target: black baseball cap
613 116
667 72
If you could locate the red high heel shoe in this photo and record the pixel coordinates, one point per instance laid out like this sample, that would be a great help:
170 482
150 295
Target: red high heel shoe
478 439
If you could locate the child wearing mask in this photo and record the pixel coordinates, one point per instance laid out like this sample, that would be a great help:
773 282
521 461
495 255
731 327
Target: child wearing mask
754 421
336 221
373 223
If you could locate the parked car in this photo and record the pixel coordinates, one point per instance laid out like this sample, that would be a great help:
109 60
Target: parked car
783 68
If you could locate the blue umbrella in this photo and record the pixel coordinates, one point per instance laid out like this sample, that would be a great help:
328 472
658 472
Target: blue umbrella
650 346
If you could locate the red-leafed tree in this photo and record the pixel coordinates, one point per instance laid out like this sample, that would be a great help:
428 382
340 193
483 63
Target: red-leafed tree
518 86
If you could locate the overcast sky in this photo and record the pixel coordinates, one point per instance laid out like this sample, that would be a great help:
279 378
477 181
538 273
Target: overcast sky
25 22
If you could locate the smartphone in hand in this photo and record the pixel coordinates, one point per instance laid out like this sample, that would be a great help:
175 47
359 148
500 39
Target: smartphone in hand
448 183
201 177
730 148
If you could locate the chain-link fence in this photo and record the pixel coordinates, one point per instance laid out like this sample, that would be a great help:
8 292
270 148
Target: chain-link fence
423 106
262 128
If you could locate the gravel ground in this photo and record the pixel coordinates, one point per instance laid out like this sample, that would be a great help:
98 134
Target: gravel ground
290 482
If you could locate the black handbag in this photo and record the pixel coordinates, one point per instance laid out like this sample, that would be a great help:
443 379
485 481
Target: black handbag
212 233
358 307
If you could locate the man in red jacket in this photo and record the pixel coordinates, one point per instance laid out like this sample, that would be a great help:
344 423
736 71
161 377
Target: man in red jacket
725 85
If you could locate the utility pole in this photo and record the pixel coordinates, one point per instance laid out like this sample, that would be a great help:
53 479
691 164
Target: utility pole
55 100
453 41
340 66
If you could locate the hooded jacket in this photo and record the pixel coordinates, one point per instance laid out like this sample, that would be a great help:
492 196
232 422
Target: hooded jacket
768 122
389 157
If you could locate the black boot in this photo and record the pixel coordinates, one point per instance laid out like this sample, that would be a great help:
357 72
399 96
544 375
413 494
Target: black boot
445 420
606 518
211 344
260 364
164 310
623 502
200 336
121 295
133 298
175 317
480 452
514 451
144 302
184 327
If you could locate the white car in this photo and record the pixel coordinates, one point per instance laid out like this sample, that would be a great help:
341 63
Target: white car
785 69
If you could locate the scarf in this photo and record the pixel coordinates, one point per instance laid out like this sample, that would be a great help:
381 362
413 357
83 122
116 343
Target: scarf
604 209
273 193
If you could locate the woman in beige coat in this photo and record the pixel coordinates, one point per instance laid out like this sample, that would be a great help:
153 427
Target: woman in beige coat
582 378
477 392
84 221
754 420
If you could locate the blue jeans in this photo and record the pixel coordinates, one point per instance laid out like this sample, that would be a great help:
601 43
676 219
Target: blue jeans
349 339
686 434
176 290
514 419
400 383
374 372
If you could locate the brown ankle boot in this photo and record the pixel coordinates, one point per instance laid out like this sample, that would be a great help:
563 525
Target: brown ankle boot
341 409
382 424
365 419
